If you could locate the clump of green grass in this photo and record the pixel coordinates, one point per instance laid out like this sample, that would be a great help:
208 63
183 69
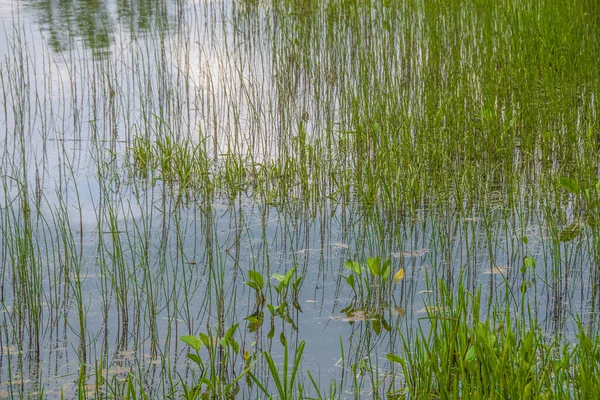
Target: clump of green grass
460 355
181 163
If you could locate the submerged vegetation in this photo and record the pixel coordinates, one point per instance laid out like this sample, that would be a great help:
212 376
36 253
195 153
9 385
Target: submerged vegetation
299 199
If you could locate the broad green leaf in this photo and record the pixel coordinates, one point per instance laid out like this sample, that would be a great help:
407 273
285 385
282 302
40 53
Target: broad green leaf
279 277
192 341
257 278
471 355
529 262
376 324
399 275
288 276
231 331
570 185
253 285
282 309
196 358
205 339
385 270
374 265
350 281
353 266
235 345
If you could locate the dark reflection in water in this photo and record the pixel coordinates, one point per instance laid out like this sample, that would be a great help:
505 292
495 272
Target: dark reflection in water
97 23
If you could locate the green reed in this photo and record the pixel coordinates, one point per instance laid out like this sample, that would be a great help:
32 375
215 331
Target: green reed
451 134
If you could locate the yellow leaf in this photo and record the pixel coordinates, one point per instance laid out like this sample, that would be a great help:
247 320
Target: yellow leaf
398 276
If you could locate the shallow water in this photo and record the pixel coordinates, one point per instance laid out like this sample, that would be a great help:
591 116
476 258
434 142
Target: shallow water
105 265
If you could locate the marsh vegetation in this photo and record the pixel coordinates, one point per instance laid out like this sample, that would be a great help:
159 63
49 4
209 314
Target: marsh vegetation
299 199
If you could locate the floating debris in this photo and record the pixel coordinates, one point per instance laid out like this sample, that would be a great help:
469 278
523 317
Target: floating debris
412 253
502 270
354 316
339 245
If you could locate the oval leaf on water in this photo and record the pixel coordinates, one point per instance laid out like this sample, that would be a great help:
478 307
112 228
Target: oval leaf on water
570 185
353 266
192 341
399 275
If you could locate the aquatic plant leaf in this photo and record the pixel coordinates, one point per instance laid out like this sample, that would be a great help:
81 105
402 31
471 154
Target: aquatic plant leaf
377 326
570 232
385 324
231 331
253 285
253 327
471 355
235 345
395 358
374 265
257 278
192 341
252 319
350 281
353 266
385 270
296 283
288 276
284 280
529 262
205 340
569 185
399 275
195 358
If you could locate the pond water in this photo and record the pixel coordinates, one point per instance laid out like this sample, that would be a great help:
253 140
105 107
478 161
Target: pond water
154 153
